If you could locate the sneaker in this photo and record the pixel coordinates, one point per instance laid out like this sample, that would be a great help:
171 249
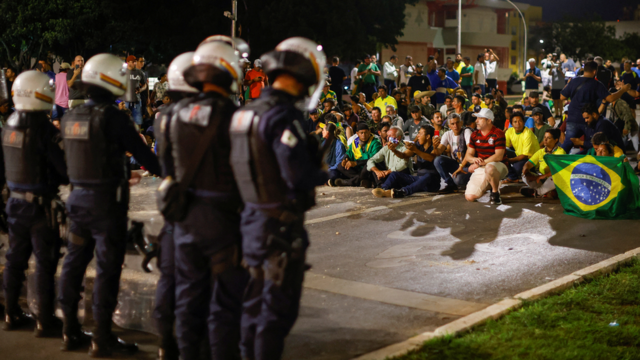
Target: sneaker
340 182
380 193
527 192
146 173
495 199
366 184
448 189
331 183
398 193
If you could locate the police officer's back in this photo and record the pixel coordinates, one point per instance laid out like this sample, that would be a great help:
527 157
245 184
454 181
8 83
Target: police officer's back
35 168
96 137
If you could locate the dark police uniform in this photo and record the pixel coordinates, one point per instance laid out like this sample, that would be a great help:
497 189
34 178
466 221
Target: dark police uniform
96 137
35 168
277 174
209 277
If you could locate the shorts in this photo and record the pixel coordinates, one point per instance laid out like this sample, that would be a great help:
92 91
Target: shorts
555 94
478 183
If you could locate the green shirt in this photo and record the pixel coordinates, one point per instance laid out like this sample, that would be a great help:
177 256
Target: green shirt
390 159
368 78
363 151
467 81
540 132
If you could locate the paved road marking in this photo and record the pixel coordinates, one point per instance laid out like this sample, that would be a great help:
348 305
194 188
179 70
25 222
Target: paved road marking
377 208
391 296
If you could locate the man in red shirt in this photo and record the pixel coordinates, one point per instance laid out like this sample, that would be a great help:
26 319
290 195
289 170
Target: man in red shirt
486 153
256 79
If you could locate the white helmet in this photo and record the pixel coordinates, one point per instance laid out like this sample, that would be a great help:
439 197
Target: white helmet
106 71
33 90
175 73
212 62
241 46
301 58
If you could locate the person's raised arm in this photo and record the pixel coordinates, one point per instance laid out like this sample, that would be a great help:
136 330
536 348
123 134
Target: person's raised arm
625 88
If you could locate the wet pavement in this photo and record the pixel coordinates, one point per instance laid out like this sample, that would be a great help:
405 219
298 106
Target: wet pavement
384 270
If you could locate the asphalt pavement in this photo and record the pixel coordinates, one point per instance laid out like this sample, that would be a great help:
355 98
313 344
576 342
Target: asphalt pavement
384 270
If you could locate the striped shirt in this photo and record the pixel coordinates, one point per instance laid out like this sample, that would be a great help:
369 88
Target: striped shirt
486 145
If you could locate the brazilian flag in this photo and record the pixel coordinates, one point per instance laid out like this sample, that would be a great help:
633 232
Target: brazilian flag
595 187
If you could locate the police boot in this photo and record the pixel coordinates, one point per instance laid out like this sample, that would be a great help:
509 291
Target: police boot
16 320
105 346
73 337
49 326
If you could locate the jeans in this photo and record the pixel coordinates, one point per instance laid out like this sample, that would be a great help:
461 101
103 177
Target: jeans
368 90
58 112
482 88
515 169
467 89
574 130
390 84
411 184
493 84
446 166
136 112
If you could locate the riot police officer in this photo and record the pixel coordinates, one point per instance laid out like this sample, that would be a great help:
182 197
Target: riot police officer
96 136
35 168
209 277
165 292
277 169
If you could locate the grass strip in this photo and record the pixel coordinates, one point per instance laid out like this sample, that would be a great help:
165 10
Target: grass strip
597 319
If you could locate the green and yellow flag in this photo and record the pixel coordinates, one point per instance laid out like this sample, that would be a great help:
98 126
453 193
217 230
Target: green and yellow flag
595 187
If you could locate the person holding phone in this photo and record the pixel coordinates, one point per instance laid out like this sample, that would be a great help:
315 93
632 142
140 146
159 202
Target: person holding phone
256 80
76 96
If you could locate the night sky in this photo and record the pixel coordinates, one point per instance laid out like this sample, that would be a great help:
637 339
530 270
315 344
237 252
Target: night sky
609 10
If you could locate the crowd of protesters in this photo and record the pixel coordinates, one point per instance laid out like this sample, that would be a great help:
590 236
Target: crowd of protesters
402 128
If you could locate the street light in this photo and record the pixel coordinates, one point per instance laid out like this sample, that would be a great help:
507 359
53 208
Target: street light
524 60
541 41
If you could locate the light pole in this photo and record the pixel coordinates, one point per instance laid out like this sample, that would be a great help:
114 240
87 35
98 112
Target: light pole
524 22
233 15
459 26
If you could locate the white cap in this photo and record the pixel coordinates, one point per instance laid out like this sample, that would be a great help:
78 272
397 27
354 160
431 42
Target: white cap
484 113
257 63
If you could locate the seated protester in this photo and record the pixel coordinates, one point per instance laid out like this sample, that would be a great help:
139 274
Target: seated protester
600 139
372 103
605 150
396 120
313 121
451 151
540 126
524 144
447 108
327 93
403 102
350 116
341 123
391 158
423 101
536 173
399 184
477 103
383 132
489 167
597 123
438 126
412 126
534 103
529 123
507 113
498 111
384 100
376 119
359 109
334 140
624 114
352 171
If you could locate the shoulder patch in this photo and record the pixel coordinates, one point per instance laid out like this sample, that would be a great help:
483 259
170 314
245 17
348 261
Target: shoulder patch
241 121
13 138
289 139
196 114
76 130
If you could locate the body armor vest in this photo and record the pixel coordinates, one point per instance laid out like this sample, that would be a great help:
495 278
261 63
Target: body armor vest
254 163
189 119
91 157
160 129
25 163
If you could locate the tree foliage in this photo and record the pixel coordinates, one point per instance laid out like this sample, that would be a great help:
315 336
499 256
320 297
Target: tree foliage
162 29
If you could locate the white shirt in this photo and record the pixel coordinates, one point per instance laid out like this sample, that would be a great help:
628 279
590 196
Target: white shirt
480 69
450 139
490 67
354 76
443 111
389 71
406 73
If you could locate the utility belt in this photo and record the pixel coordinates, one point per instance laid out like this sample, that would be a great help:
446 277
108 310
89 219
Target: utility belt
54 208
292 211
122 190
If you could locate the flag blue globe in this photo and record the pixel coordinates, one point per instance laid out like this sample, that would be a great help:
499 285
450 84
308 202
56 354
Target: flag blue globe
590 184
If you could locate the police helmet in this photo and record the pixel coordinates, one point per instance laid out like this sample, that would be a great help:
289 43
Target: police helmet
33 91
241 46
105 71
215 62
175 73
301 58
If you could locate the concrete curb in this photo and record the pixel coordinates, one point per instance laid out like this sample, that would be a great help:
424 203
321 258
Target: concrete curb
503 307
